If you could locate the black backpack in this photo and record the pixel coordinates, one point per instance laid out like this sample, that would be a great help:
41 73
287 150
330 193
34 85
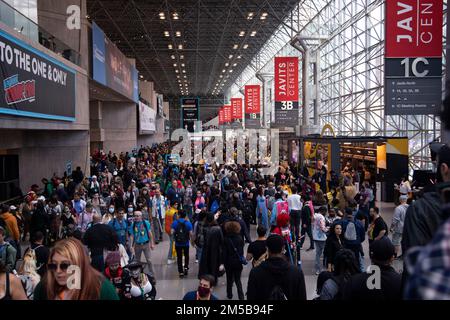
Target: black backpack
200 236
181 233
277 294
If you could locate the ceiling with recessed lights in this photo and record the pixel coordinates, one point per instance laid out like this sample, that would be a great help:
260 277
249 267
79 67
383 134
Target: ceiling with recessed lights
190 47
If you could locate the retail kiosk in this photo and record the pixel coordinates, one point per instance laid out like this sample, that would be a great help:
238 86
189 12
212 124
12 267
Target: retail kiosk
382 160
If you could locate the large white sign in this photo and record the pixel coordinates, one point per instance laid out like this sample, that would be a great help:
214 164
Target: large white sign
147 119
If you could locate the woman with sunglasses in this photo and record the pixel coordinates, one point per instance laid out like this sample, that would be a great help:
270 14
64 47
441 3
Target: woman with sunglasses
80 282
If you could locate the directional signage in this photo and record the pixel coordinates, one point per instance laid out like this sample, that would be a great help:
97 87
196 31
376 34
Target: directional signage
413 57
286 91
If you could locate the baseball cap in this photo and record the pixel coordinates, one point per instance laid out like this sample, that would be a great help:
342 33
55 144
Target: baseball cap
382 250
275 243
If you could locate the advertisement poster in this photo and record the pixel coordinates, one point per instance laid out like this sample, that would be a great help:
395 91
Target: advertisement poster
413 56
111 68
160 105
286 92
27 76
147 119
252 107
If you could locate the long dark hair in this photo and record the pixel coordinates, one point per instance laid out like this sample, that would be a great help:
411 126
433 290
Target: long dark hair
345 264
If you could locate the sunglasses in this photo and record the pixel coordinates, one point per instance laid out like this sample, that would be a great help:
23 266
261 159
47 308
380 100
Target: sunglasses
63 266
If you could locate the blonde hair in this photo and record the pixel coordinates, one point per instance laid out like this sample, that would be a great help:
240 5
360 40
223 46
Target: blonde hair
91 279
28 267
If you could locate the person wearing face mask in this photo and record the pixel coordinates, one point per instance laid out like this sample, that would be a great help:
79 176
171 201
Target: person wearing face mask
204 290
115 273
138 285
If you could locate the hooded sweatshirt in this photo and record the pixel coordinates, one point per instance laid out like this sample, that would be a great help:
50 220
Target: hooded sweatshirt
11 224
272 272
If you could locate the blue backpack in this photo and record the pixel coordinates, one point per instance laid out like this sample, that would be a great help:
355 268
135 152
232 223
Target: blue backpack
215 206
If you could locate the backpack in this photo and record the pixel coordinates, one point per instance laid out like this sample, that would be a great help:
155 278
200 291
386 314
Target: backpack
282 206
181 233
277 294
214 206
350 232
200 235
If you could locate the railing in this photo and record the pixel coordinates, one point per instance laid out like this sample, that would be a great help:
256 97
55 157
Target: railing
16 20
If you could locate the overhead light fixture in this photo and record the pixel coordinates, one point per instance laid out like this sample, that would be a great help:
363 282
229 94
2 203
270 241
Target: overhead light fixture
250 16
235 46
162 16
234 64
174 64
183 65
223 71
221 76
245 46
166 33
170 47
184 77
178 77
227 64
185 80
242 33
253 34
231 70
175 16
181 57
239 57
178 33
141 76
176 71
180 47
184 71
264 15
230 56
173 57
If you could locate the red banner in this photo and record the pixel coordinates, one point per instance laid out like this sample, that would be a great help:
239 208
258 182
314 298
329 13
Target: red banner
236 107
227 114
413 28
286 79
221 116
252 99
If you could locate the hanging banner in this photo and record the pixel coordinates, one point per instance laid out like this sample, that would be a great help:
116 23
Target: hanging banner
236 110
221 117
286 91
252 107
228 115
189 113
413 57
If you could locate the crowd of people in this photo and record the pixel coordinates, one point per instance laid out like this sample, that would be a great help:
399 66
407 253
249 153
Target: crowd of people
107 225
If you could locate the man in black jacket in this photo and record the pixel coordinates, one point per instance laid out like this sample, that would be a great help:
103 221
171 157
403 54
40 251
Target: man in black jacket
385 285
424 217
97 238
276 278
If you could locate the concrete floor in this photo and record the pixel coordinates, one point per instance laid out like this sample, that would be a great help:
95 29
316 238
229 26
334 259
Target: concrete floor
171 287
